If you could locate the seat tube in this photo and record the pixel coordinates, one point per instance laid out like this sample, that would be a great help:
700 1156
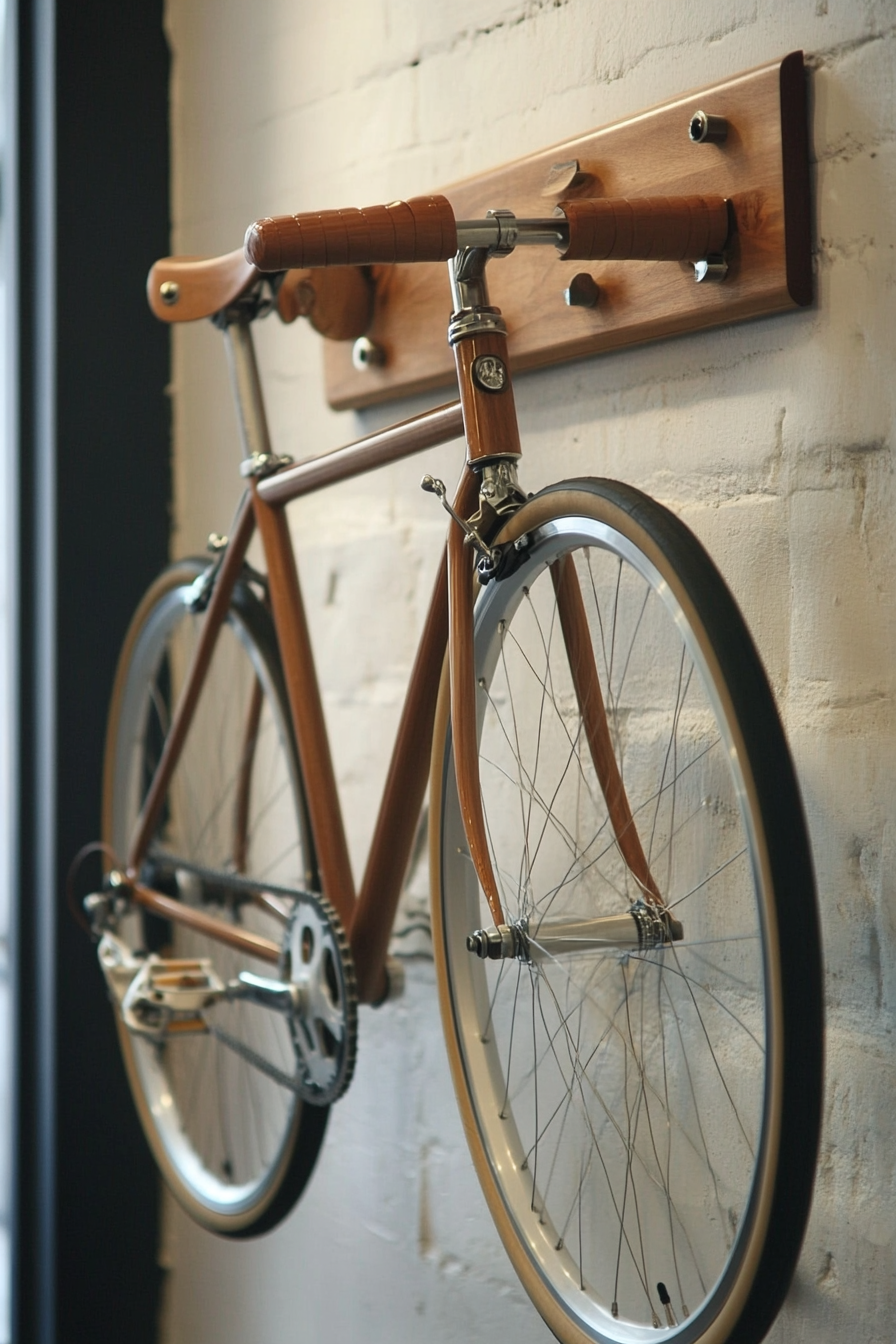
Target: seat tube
293 637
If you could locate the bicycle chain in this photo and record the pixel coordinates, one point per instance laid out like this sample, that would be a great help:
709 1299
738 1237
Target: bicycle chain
292 1082
315 1090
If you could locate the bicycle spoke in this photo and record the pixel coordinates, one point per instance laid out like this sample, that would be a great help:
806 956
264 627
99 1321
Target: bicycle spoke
221 1107
629 1085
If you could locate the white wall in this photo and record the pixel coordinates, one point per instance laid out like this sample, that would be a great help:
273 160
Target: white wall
774 440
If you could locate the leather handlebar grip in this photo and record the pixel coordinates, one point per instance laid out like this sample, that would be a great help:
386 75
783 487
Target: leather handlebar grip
421 229
650 228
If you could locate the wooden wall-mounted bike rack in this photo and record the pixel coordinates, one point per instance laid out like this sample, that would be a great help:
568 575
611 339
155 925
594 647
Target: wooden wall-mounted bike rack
762 167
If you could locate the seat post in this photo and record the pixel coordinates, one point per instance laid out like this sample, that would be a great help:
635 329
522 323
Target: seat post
246 386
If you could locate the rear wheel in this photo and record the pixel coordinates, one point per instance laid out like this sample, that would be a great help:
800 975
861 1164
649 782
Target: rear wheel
232 1137
643 1111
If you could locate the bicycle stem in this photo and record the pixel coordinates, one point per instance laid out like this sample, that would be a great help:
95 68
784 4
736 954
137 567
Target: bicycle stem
500 232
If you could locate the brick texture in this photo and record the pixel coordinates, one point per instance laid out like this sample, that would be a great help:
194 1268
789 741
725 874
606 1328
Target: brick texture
774 440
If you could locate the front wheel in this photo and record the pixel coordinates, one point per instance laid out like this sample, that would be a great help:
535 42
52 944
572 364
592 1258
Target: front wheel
643 1113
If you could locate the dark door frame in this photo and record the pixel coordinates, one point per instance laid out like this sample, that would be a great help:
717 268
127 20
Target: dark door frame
85 213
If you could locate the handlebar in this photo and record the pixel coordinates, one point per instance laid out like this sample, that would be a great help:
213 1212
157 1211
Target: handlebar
651 228
421 229
660 228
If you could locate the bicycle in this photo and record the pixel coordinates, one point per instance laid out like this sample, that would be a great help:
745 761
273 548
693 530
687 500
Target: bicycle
624 916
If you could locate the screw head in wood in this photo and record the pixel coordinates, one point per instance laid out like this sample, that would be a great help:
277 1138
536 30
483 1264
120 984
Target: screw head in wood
583 291
713 268
366 354
705 129
565 177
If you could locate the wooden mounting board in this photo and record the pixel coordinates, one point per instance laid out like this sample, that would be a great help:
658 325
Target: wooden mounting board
762 167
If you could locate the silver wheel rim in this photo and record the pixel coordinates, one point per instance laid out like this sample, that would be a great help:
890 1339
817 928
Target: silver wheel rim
271 1113
631 1180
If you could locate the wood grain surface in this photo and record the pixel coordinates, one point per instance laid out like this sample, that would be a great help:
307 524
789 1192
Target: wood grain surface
184 289
338 303
762 167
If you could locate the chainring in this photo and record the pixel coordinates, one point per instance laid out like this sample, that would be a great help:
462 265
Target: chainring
316 959
325 1024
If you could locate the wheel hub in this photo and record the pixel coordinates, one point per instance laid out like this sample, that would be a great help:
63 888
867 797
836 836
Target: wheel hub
642 928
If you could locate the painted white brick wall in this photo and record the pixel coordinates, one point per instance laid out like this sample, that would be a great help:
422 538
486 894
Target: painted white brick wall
774 440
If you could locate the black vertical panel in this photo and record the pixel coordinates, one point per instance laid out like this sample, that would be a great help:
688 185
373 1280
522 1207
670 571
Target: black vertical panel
95 490
28 173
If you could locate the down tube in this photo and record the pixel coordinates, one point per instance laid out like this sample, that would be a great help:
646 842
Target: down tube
405 785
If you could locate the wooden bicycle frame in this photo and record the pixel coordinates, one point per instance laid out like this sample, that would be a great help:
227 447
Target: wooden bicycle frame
368 916
488 423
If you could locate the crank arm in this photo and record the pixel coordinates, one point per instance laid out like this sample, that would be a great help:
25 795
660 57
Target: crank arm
274 994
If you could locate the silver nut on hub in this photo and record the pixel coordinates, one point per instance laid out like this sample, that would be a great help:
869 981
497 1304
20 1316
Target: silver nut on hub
493 944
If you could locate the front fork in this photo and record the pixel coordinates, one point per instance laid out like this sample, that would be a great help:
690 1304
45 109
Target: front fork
478 336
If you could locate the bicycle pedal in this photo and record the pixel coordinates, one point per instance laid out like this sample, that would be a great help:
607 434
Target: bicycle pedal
181 983
159 994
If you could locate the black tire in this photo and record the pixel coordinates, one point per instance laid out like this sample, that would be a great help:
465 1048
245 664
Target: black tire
235 1146
644 1123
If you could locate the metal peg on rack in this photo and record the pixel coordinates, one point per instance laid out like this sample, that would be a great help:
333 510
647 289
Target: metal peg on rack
705 129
